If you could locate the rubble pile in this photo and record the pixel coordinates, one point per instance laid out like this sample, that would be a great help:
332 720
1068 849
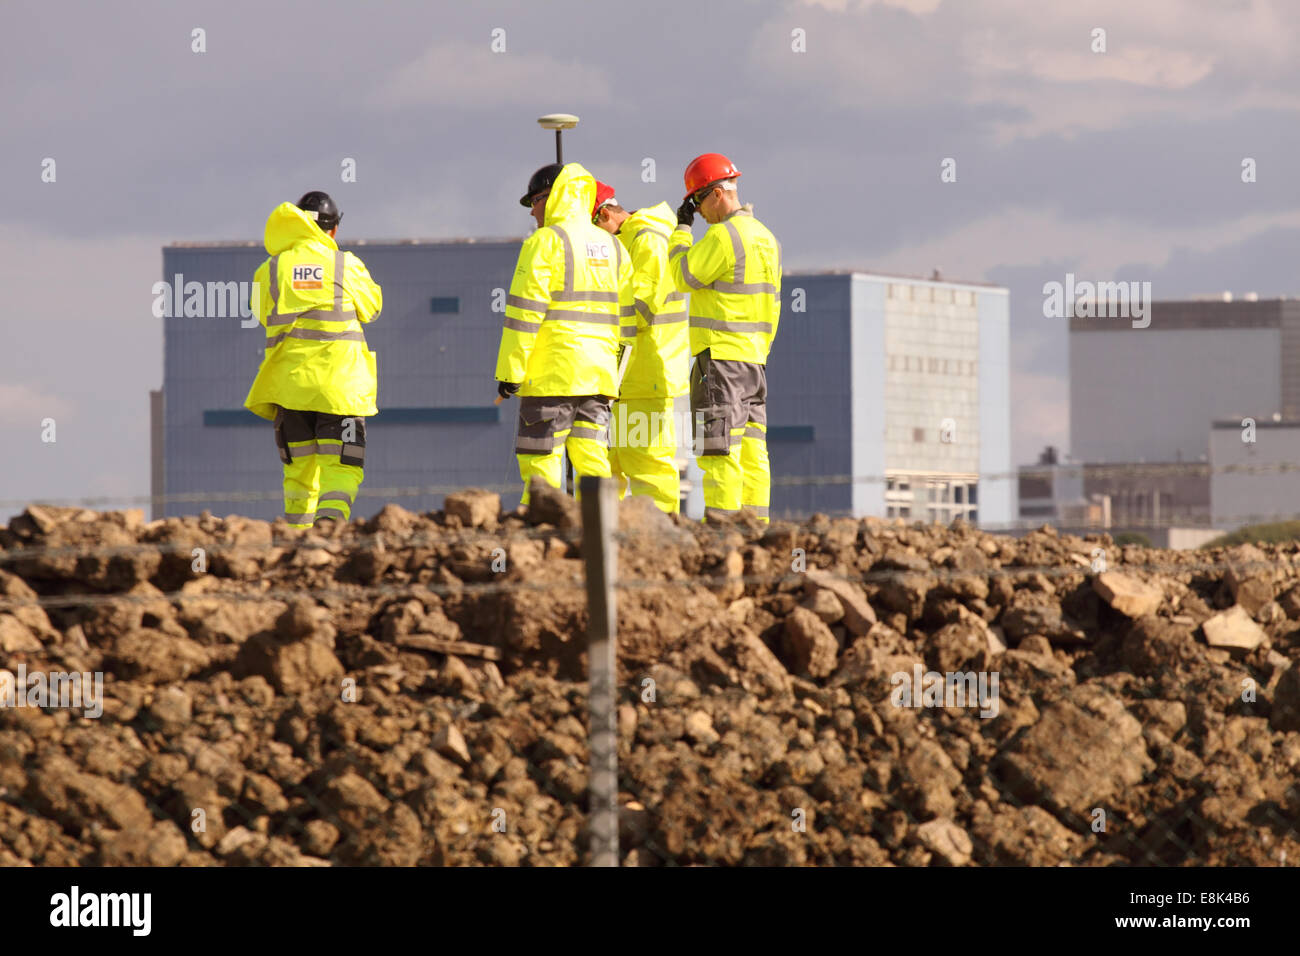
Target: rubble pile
411 690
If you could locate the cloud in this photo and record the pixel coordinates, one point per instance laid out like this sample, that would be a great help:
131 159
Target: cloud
25 407
456 75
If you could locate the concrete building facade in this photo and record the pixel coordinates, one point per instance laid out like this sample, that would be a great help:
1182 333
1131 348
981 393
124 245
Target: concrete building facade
888 395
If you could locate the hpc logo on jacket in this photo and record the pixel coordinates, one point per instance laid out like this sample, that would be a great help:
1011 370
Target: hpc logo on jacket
309 277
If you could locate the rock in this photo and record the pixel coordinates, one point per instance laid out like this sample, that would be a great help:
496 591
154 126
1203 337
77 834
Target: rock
547 505
1083 750
15 636
825 605
60 790
858 613
393 519
1168 716
172 706
1023 836
242 846
1285 715
906 593
809 644
474 507
304 620
1129 596
1249 578
962 646
451 743
1233 628
319 837
1035 644
161 845
154 657
1022 619
1290 603
455 677
299 667
928 778
946 840
753 656
731 571
699 728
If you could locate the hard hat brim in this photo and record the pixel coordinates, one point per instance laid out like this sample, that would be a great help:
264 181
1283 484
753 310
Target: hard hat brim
710 185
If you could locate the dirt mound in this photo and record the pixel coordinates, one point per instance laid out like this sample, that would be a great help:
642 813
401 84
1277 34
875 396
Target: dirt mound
408 690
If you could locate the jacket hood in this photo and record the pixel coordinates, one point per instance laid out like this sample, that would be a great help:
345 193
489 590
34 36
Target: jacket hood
660 216
288 226
572 195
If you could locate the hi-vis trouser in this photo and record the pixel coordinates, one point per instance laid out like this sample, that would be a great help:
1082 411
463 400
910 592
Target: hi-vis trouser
729 418
642 450
323 458
551 424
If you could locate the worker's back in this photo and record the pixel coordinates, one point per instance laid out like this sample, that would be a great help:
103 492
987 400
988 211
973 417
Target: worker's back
571 290
313 299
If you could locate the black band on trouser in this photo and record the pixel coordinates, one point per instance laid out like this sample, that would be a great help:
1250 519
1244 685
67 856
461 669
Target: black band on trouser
547 421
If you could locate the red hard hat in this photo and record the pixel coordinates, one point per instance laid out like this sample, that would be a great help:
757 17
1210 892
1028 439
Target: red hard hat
706 170
604 194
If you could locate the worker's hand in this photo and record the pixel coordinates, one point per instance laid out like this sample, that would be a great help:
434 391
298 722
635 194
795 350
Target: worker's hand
686 213
507 389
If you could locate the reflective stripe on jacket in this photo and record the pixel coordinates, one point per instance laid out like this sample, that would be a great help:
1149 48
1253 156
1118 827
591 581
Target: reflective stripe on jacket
660 363
733 276
316 356
571 291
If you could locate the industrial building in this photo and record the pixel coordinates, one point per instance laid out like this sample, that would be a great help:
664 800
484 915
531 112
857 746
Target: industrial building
1155 411
888 395
1254 471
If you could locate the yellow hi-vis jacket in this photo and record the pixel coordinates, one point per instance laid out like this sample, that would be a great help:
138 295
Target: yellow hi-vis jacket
316 298
660 363
733 275
572 285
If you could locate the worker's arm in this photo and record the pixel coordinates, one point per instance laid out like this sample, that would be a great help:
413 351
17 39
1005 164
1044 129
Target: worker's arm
259 297
629 317
649 259
693 266
364 292
776 312
526 305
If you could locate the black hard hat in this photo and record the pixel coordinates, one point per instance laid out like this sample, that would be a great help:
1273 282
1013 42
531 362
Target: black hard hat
542 179
327 214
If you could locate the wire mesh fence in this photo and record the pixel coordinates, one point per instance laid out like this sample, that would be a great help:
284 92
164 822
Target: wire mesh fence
838 691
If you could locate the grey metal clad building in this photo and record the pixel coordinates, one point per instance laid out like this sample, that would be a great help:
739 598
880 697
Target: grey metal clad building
1152 394
871 375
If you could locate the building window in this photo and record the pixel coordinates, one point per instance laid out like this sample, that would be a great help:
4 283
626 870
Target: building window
444 304
918 434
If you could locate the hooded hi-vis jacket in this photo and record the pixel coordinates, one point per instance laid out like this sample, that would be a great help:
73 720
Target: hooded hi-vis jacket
313 299
660 363
572 285
733 275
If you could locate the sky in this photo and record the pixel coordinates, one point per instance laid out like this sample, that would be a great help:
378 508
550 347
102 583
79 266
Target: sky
1122 164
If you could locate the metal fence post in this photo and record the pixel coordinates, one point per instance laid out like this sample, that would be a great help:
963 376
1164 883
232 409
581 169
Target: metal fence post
600 552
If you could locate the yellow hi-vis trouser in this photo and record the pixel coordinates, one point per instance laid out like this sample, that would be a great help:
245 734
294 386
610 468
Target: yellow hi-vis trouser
550 425
642 449
729 406
323 458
